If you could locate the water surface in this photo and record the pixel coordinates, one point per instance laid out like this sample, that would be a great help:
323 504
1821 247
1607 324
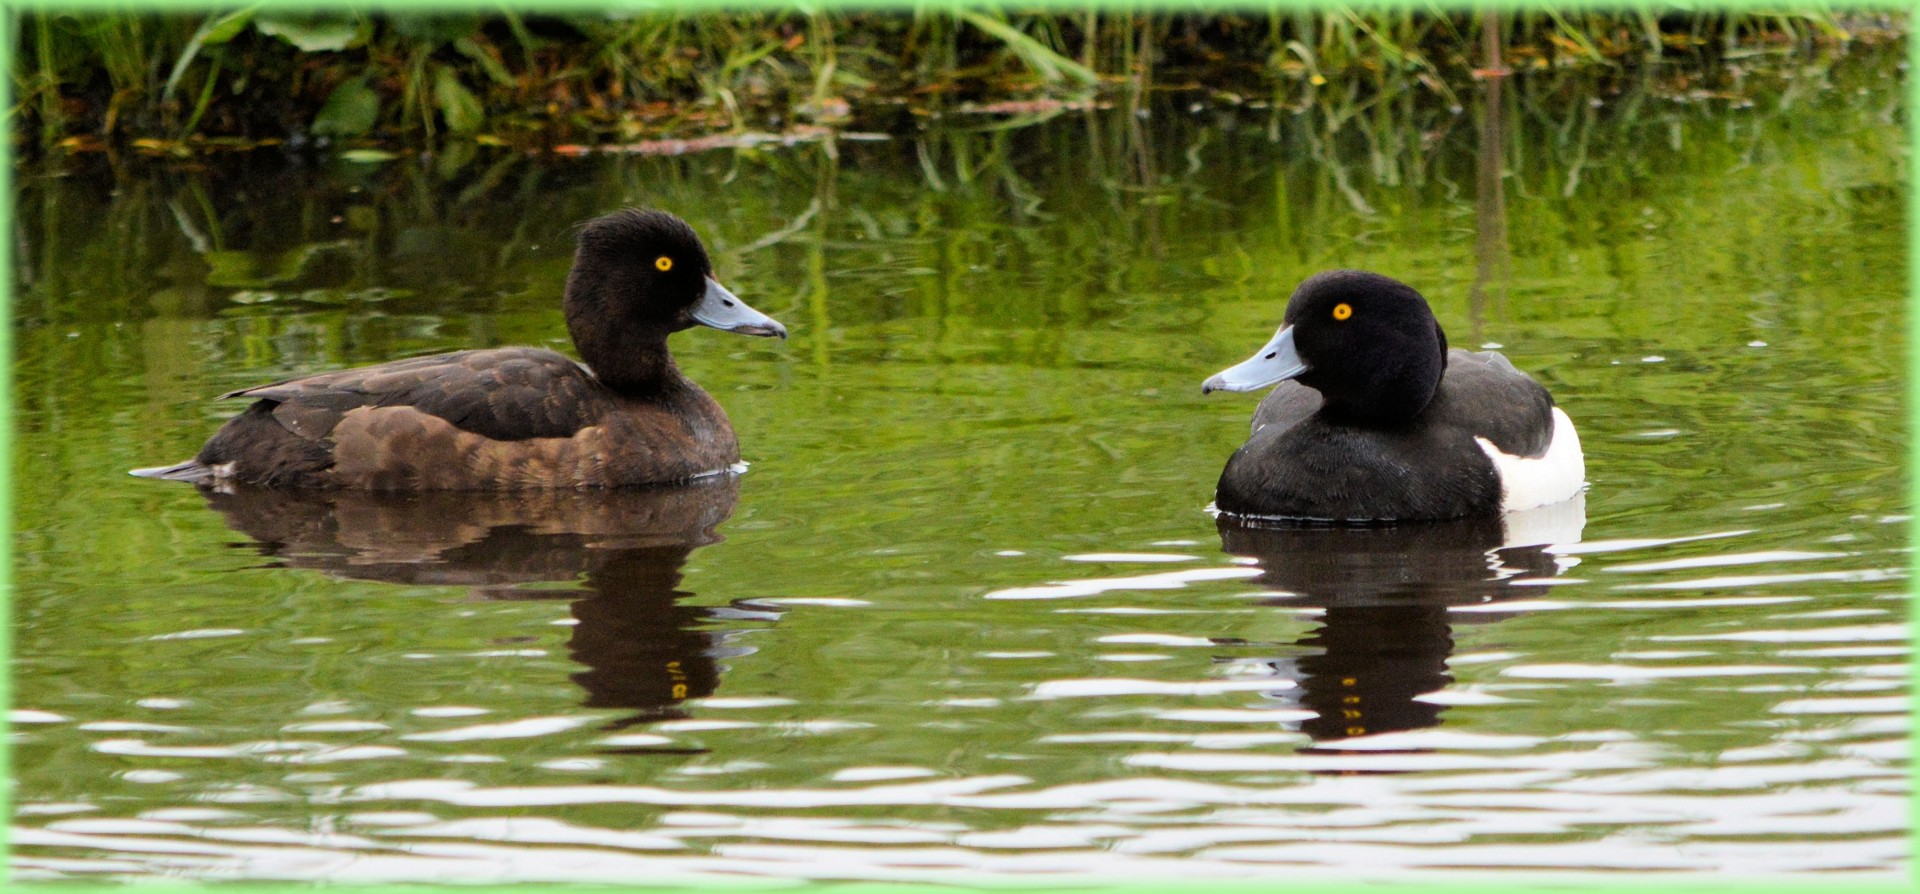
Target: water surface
966 615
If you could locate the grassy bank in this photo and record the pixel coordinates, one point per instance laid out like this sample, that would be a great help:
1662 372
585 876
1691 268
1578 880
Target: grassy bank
177 81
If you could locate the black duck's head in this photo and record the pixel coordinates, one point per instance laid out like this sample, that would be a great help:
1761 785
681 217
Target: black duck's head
1368 343
646 273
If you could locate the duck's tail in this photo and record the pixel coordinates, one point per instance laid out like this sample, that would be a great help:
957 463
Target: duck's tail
191 470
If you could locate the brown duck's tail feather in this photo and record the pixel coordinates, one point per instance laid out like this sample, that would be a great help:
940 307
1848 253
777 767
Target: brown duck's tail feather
191 470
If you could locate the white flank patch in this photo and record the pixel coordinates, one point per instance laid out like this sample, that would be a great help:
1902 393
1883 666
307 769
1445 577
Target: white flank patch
1557 475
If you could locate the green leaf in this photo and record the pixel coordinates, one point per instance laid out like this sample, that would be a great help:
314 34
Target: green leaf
220 29
485 60
367 155
350 111
457 104
1046 63
436 28
249 270
452 158
215 31
314 33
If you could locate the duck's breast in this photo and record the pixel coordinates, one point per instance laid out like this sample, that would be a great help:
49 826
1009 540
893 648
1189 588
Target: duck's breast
1326 470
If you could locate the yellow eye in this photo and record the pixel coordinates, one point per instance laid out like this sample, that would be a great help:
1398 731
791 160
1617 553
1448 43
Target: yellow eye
1342 311
663 263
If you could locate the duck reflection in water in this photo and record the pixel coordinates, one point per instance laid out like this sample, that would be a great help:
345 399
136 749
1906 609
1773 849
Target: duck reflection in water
643 650
1387 595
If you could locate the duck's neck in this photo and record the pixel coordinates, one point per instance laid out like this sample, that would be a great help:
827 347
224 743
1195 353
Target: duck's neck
1398 404
1387 394
636 369
632 360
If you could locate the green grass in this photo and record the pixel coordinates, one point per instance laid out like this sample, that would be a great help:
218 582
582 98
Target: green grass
96 78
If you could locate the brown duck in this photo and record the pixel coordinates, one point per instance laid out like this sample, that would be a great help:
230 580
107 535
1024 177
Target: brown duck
514 418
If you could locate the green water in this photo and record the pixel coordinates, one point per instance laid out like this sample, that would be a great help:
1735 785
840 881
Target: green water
966 615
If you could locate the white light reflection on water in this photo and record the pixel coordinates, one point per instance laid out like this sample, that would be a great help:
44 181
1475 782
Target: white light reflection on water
1381 805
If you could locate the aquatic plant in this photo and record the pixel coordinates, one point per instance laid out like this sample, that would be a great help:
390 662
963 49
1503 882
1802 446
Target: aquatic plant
163 81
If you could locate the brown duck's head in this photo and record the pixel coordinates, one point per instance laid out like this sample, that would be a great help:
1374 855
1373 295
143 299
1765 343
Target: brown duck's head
645 272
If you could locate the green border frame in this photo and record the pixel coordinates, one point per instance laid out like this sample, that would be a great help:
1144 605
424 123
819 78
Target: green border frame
1450 880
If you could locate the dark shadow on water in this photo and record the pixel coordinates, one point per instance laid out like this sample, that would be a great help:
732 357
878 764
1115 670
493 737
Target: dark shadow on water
1386 596
642 649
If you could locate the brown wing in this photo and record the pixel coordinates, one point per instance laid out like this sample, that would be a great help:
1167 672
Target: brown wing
507 394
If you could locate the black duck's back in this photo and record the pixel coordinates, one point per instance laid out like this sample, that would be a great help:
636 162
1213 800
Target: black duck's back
1484 394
